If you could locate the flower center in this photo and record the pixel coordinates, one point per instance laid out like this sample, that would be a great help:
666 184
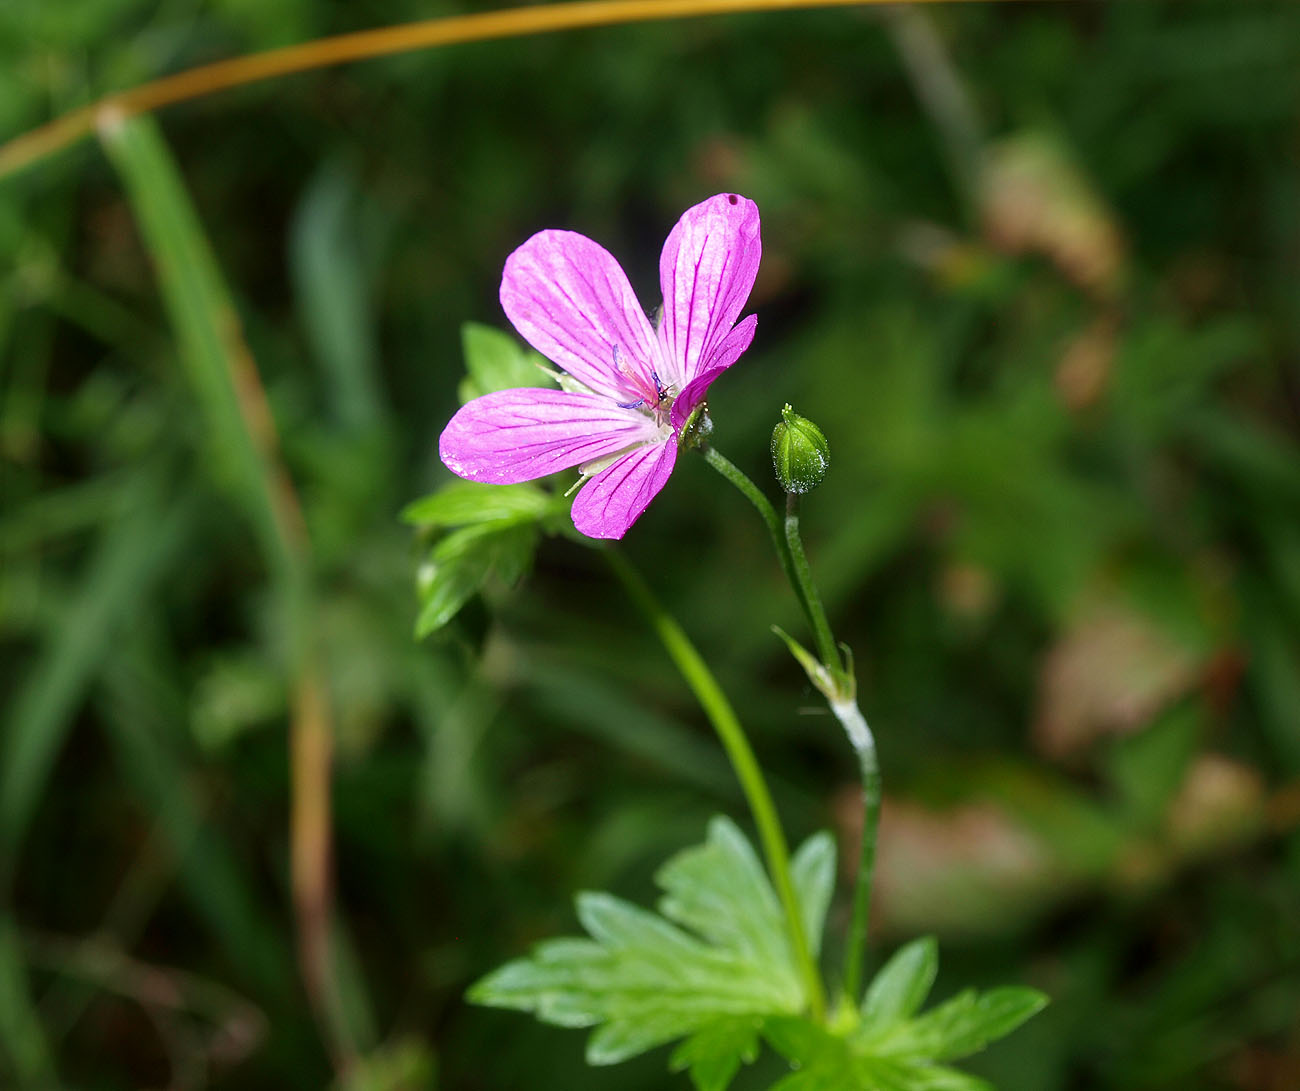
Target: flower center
652 397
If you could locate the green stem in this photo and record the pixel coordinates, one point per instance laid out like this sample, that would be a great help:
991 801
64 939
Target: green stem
720 714
807 590
864 744
741 480
838 687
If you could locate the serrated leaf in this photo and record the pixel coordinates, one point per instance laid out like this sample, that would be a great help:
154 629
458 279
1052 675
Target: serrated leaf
942 1078
462 563
961 1026
813 873
825 1061
496 361
714 1053
620 1039
894 1052
461 503
810 1080
720 891
877 1077
710 966
900 988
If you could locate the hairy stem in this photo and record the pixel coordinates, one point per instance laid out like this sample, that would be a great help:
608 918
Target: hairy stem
763 506
807 590
864 744
724 720
838 687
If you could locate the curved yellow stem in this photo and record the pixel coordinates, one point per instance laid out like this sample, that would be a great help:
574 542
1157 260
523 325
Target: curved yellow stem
38 144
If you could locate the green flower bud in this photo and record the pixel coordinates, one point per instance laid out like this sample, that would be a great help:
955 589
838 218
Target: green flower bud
697 429
800 454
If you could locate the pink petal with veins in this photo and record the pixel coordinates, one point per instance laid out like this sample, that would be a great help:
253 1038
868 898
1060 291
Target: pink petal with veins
706 271
728 351
613 499
519 435
571 301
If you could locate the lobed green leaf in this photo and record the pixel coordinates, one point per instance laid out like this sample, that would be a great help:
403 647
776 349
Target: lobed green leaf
460 503
463 562
496 361
709 967
715 1052
957 1028
900 988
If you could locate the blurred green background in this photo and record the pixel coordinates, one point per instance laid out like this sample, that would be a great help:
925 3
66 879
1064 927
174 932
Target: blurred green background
1034 269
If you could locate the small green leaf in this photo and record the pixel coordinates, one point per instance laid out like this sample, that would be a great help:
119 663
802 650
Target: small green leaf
445 588
961 1026
462 563
460 503
496 361
813 873
824 1061
900 988
889 1050
714 1053
941 1078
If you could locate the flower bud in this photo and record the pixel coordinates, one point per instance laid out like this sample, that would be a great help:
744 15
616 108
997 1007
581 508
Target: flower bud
800 454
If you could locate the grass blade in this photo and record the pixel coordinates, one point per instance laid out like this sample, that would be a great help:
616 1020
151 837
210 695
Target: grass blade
132 556
243 447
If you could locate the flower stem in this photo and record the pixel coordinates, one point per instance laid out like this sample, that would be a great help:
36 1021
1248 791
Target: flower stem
724 720
837 684
754 494
845 707
864 744
807 590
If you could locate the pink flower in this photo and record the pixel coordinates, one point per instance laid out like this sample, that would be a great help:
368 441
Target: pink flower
628 387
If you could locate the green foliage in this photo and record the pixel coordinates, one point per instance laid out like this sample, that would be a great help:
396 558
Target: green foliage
714 967
1016 432
493 531
892 1048
332 282
402 1065
710 967
897 992
496 361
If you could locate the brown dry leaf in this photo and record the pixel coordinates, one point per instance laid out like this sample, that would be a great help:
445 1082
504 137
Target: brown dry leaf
1219 803
1258 1067
1035 200
1109 675
968 591
1085 366
967 869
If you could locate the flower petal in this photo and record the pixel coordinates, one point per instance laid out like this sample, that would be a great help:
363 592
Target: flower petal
706 270
613 499
519 435
570 300
728 351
